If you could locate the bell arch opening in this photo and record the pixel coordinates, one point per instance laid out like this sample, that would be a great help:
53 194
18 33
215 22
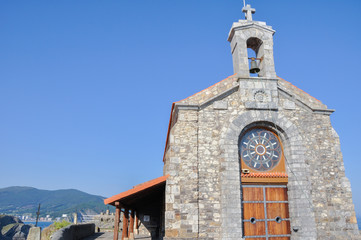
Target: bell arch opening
254 50
254 43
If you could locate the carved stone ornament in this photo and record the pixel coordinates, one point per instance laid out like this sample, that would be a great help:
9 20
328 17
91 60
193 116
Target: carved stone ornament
260 96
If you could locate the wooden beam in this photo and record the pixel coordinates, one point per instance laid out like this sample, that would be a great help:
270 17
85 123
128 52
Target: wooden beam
125 224
116 221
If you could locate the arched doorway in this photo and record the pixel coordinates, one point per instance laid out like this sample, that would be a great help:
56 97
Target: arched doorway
264 186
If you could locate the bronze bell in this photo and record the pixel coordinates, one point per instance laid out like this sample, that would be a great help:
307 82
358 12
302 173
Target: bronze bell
254 66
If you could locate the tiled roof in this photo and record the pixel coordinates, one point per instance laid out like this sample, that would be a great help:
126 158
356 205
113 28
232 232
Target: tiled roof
136 189
264 175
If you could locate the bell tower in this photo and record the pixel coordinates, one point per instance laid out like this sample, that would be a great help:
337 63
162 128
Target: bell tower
257 36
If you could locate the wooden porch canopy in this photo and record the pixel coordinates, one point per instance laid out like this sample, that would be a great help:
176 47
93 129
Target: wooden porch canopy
132 201
138 192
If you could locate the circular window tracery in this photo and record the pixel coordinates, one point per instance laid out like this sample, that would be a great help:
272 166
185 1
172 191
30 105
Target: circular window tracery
260 149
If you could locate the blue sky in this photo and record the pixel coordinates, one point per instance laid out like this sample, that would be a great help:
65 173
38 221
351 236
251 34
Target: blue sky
86 86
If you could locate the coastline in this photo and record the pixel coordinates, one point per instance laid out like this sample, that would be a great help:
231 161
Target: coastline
42 224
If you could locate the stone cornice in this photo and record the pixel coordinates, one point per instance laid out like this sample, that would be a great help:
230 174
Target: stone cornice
238 26
302 104
257 78
284 92
182 106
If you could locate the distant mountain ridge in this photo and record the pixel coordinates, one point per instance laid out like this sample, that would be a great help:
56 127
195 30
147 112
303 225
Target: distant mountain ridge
25 200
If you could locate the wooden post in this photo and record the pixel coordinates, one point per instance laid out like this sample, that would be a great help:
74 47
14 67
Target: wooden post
131 225
125 224
136 223
116 221
37 216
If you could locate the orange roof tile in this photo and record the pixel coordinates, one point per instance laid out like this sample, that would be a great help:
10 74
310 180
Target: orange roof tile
265 175
169 125
136 189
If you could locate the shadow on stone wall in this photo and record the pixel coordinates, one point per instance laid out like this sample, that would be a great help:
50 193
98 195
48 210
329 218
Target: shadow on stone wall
74 232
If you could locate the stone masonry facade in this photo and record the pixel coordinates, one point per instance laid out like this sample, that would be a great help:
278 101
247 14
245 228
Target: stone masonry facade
203 191
203 197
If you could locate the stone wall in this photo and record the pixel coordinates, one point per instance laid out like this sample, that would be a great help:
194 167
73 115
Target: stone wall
74 232
203 197
181 199
104 221
34 234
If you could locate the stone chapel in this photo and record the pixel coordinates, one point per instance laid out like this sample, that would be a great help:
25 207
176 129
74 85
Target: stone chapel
251 157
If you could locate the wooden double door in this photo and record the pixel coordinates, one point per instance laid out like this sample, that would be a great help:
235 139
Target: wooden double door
265 212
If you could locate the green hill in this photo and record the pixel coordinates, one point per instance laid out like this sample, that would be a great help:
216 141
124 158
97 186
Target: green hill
25 200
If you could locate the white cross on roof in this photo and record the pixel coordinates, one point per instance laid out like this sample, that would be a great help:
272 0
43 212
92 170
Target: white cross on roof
248 11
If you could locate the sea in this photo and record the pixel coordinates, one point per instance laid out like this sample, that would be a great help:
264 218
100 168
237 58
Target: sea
40 224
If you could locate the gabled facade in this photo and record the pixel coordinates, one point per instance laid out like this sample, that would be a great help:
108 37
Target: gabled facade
215 191
251 157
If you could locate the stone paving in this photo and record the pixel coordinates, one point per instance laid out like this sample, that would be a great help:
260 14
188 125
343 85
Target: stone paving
109 236
101 235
